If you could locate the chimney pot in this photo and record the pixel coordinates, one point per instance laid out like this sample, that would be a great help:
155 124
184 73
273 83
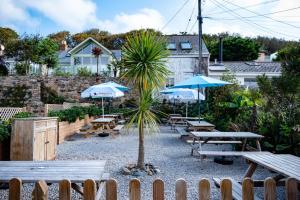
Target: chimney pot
63 46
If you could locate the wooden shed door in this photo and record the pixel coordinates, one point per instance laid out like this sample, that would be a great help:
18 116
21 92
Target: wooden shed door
39 146
50 144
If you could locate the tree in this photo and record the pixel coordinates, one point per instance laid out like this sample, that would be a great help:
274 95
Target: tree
7 35
144 56
60 36
235 48
97 52
47 53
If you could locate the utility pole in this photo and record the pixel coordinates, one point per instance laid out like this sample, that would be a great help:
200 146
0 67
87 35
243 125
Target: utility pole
202 68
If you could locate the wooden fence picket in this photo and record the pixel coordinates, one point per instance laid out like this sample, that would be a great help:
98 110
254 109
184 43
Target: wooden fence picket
158 190
204 189
270 189
247 189
134 189
291 189
15 189
89 190
65 190
226 189
111 190
40 191
181 190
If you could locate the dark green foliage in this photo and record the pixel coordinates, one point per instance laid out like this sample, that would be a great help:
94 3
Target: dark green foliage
50 96
21 68
7 35
271 45
3 67
84 72
15 96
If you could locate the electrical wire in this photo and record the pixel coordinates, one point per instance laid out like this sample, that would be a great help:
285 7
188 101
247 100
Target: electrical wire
248 21
258 14
190 18
176 13
194 24
249 6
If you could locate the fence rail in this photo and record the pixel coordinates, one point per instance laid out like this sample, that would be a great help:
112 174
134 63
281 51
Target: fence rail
40 191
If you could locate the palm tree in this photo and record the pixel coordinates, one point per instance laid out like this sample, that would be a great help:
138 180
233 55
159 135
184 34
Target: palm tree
144 58
97 52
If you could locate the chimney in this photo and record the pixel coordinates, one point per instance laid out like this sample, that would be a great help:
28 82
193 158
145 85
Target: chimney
220 50
216 61
63 46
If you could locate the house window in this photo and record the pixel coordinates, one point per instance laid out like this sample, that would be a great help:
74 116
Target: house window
171 46
86 60
170 82
77 60
87 49
186 45
104 60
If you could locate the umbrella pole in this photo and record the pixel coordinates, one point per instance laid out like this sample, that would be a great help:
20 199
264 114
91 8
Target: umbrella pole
174 107
199 103
102 109
186 109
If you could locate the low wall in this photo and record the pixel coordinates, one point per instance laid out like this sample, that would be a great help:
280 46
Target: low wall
66 129
65 105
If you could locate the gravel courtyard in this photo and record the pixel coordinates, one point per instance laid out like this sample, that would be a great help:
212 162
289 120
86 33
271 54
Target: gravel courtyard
165 150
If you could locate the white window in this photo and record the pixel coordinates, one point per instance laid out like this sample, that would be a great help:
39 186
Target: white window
186 45
104 60
86 60
171 46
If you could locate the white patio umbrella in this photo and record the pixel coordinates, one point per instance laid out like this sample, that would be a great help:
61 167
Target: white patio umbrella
102 91
183 94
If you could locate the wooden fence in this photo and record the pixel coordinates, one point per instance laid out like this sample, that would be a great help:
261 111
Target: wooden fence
204 190
8 112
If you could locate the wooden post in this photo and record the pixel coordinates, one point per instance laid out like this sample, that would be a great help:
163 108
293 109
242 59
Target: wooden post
204 189
181 190
226 189
134 189
258 145
247 189
270 189
15 189
158 190
89 190
65 190
40 191
251 169
111 190
291 189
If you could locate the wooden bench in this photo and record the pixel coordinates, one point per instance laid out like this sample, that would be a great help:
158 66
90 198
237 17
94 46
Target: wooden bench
221 153
118 128
215 142
236 189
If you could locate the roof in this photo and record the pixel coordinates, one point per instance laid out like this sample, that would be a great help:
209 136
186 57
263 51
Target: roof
64 57
193 39
81 44
247 67
117 54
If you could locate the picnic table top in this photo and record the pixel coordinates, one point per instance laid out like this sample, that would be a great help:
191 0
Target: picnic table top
201 124
225 134
103 120
187 118
110 115
52 171
284 164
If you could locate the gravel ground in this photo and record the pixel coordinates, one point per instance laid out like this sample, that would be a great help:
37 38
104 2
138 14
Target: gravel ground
165 150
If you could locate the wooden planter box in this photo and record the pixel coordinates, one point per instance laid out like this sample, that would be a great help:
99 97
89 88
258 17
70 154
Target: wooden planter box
34 139
66 129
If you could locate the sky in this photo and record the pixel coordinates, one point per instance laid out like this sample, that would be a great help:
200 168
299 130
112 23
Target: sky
248 18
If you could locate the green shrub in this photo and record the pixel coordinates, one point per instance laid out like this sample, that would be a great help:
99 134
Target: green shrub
84 72
58 72
21 68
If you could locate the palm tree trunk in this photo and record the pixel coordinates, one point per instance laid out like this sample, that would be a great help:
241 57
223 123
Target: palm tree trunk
97 66
141 156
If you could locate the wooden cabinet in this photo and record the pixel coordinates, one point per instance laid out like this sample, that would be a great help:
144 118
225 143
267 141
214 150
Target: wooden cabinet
34 139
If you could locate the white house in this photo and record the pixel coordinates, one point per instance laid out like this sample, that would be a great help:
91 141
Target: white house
70 60
245 71
184 56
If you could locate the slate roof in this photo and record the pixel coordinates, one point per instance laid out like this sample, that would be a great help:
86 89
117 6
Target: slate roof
193 39
249 67
63 57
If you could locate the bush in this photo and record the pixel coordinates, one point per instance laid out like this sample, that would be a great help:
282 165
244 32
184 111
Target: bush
84 72
21 68
58 72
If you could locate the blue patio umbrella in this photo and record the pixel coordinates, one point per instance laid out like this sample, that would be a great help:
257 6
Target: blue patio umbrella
200 81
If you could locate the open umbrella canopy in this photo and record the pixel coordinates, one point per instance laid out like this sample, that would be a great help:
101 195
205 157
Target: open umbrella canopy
116 85
182 94
102 91
200 81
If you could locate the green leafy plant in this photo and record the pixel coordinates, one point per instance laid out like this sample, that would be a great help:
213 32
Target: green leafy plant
84 72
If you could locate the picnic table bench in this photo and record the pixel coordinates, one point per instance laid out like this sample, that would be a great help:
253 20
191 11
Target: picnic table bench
202 138
55 171
200 126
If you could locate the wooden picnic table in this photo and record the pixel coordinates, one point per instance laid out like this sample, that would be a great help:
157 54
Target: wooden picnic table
201 138
200 126
54 171
115 116
180 119
284 164
103 123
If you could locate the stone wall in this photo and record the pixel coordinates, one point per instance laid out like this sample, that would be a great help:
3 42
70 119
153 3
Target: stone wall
68 87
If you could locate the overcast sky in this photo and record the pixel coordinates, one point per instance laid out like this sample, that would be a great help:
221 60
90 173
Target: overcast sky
48 16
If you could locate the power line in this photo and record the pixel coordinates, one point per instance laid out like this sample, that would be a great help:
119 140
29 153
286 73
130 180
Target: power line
249 6
176 13
187 26
194 24
248 21
258 14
